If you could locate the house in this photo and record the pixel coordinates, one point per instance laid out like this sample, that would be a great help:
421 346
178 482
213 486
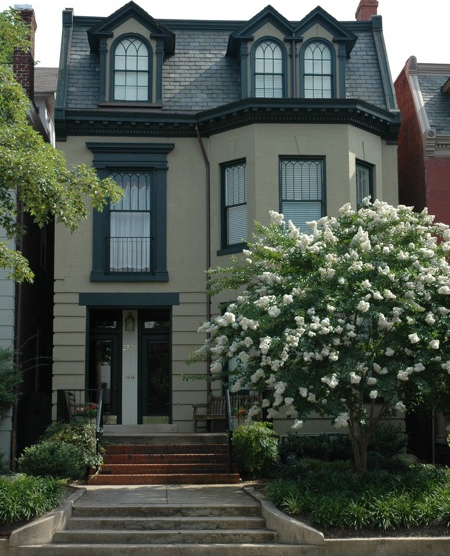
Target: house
423 93
26 309
207 125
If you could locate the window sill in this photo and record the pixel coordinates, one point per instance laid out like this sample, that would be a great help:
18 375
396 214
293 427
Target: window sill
238 248
129 277
122 104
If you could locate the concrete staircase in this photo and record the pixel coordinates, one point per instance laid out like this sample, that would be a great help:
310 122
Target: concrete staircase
159 458
164 530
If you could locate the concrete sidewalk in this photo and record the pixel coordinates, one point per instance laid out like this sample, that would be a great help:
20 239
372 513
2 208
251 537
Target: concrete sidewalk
144 495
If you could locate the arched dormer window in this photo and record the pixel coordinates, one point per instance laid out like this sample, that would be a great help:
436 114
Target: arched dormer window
317 70
131 70
268 69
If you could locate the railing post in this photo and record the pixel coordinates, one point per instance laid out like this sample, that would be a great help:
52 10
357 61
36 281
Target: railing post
230 430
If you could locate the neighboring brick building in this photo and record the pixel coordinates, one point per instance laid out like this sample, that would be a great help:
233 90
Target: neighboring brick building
423 95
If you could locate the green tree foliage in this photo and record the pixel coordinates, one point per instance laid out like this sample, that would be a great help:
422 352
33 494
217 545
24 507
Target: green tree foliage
33 175
351 321
10 381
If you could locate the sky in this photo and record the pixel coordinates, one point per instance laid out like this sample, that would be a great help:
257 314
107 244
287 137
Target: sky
410 27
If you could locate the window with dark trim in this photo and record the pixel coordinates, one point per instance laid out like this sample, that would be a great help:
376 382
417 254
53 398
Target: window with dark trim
234 205
129 238
317 70
364 182
302 190
131 70
269 73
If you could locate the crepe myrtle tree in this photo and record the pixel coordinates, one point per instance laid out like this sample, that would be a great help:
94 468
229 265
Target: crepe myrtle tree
351 320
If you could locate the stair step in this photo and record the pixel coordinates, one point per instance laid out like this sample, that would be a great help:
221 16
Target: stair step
204 536
232 549
156 449
167 510
166 479
164 523
163 469
162 458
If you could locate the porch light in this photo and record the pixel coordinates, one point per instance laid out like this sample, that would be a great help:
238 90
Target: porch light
129 323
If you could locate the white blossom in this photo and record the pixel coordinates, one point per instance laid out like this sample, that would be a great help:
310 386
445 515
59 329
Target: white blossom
413 338
303 391
276 218
274 311
373 394
434 344
429 319
400 406
287 299
354 378
444 290
341 420
297 424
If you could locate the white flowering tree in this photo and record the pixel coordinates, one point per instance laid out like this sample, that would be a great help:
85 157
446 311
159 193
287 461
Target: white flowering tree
350 321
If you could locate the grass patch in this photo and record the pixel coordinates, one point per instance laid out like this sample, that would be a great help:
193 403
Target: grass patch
331 495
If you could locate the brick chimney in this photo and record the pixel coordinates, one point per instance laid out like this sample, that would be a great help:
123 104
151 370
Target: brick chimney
23 63
366 9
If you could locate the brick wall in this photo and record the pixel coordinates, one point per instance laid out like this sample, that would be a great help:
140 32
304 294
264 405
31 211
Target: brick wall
411 165
437 171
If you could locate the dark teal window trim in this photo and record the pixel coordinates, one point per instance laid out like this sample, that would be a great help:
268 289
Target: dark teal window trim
129 300
112 60
146 157
333 66
369 168
283 62
229 248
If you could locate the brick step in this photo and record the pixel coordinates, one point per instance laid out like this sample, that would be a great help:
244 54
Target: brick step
164 523
166 479
166 449
166 537
92 512
162 458
163 468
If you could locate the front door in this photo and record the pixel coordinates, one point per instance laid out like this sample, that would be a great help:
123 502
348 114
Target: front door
129 356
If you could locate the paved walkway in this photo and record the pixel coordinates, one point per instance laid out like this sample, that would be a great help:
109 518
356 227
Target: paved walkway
145 495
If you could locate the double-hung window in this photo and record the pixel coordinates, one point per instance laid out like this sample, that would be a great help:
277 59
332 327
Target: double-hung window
302 190
317 70
130 220
364 186
131 71
234 205
268 70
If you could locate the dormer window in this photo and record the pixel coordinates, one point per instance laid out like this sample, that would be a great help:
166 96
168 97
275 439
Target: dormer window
131 70
317 70
269 73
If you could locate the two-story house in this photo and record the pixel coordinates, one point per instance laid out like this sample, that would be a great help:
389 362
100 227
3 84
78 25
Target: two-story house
207 125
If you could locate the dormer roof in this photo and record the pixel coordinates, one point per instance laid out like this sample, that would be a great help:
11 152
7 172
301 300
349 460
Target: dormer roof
131 11
318 16
246 32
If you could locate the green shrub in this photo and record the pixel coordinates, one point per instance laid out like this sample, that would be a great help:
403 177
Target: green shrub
255 449
79 433
23 497
323 446
330 494
53 459
388 440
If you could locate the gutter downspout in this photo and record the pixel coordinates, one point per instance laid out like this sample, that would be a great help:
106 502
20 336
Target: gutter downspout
208 242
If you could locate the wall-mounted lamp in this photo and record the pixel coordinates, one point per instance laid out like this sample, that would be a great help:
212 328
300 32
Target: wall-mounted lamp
129 323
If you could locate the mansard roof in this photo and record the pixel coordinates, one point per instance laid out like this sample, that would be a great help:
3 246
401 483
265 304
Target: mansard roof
106 26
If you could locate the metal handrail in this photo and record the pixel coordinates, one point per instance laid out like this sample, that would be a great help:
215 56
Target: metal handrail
230 426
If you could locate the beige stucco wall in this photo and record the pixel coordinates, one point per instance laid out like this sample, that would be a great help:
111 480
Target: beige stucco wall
261 146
